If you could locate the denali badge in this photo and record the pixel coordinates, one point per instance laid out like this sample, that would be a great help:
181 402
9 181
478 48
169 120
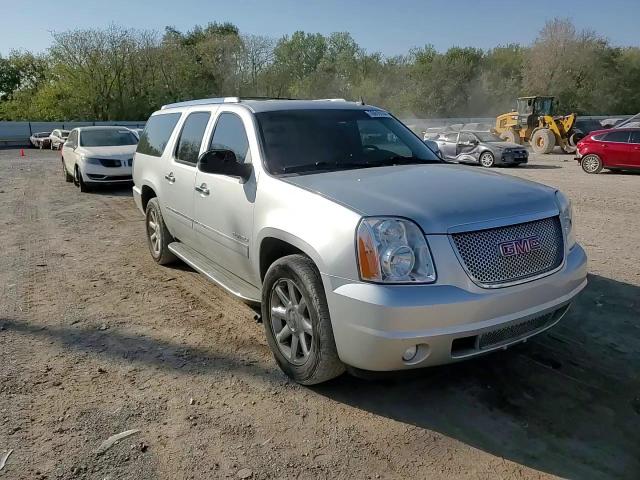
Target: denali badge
520 246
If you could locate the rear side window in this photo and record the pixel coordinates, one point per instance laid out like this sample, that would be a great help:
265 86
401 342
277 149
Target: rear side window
231 135
635 137
621 136
188 147
451 137
156 134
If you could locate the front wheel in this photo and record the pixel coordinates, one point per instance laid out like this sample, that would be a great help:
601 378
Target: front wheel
297 322
487 159
79 181
591 164
67 178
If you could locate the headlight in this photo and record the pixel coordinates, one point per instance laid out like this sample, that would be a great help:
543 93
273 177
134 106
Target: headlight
566 218
393 250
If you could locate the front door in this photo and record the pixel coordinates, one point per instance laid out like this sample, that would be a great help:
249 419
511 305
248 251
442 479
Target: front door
179 178
223 204
634 149
467 143
616 148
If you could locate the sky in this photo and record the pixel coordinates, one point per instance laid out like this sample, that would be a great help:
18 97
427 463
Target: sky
387 26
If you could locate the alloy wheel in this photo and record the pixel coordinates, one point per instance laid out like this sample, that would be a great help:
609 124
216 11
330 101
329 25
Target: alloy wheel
486 159
290 321
153 230
590 164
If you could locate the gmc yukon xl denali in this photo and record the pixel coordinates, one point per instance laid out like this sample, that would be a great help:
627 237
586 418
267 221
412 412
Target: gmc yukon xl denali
362 248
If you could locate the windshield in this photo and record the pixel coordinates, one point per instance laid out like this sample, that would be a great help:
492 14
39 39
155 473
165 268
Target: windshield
320 140
107 138
488 137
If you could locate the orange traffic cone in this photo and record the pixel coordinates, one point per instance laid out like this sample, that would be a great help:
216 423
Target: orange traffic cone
22 152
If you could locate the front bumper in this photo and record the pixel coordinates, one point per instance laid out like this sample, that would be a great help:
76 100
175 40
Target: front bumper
375 324
514 159
92 173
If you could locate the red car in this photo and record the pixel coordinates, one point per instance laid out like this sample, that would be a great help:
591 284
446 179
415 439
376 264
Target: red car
615 149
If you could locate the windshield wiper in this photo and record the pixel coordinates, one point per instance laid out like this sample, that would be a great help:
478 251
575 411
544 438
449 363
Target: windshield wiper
401 160
319 166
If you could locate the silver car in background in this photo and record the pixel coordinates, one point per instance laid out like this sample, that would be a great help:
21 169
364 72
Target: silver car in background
362 248
482 148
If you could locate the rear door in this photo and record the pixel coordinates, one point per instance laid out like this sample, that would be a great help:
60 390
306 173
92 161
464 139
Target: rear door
634 153
448 145
180 174
616 148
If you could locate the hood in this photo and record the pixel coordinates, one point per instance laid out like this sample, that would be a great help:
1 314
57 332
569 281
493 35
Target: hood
438 197
121 152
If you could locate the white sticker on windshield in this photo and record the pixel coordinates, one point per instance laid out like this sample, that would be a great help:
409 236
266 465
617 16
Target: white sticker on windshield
377 113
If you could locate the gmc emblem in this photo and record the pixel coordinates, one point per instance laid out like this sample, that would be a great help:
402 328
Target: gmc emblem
520 246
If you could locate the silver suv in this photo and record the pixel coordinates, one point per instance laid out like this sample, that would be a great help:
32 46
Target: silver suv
361 246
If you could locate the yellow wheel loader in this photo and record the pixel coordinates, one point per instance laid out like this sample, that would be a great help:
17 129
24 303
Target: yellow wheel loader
534 123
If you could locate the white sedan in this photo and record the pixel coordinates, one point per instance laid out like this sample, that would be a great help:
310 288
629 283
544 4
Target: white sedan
98 155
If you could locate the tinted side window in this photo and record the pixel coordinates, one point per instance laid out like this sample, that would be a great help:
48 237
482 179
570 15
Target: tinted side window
73 138
466 138
621 136
188 146
635 137
231 135
156 134
451 137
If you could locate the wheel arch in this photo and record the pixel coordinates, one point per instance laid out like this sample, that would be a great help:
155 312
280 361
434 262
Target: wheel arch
147 192
273 244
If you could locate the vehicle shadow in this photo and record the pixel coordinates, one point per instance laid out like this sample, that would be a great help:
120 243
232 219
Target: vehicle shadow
534 166
113 190
566 402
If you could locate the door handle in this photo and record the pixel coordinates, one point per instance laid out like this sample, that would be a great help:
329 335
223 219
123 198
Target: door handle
170 178
202 189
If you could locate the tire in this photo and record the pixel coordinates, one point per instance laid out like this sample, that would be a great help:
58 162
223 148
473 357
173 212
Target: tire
79 181
306 318
154 224
67 178
575 137
591 164
511 136
543 140
487 159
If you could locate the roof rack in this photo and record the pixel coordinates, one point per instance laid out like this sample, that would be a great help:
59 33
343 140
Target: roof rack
211 101
204 101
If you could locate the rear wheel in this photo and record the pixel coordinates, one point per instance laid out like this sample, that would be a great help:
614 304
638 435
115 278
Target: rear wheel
158 236
543 140
297 322
591 164
487 159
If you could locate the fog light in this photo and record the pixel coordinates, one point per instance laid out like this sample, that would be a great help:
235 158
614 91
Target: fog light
410 353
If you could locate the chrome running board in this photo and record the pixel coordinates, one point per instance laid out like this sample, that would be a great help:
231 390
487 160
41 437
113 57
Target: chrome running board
217 274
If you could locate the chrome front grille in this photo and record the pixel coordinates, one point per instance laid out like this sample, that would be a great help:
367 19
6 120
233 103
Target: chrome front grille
491 259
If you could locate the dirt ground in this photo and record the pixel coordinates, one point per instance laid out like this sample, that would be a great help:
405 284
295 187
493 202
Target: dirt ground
96 339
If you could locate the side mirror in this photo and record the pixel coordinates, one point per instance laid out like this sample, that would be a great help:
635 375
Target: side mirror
224 162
